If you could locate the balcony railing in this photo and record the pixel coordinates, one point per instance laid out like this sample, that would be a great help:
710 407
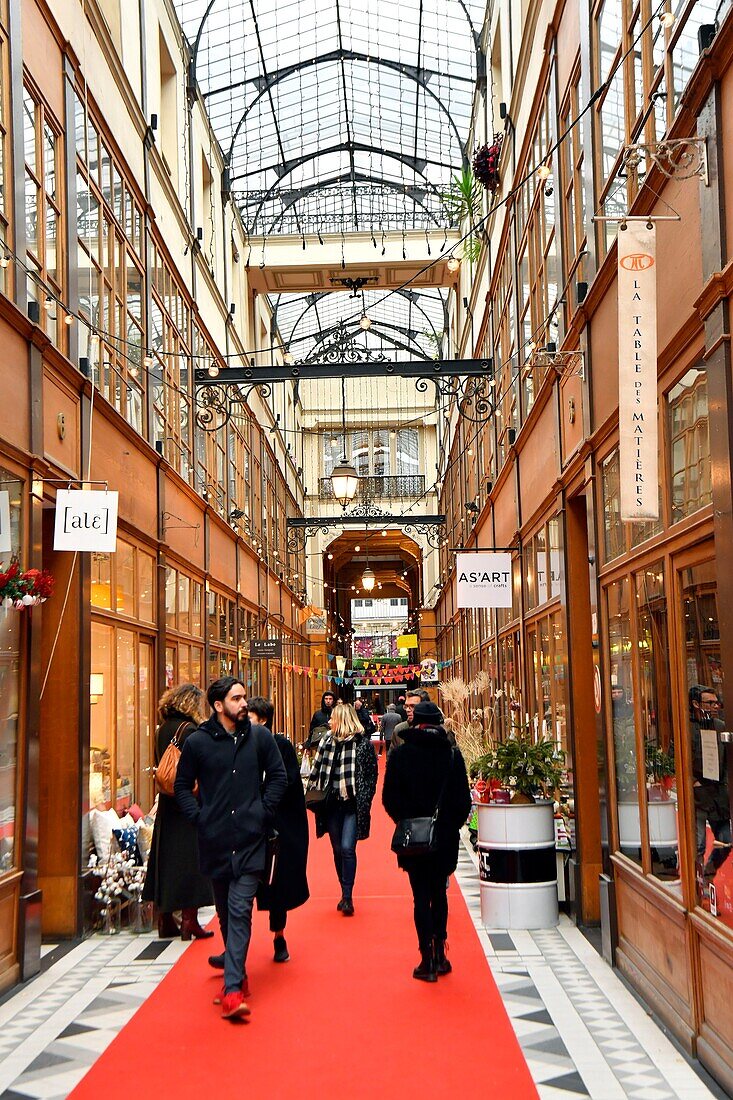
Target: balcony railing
387 487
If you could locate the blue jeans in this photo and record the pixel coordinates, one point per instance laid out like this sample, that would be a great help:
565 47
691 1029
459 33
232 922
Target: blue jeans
341 824
234 901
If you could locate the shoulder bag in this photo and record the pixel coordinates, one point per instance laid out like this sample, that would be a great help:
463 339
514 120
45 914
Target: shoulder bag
165 773
417 836
316 798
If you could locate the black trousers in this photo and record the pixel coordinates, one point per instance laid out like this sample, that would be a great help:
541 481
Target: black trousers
430 895
278 918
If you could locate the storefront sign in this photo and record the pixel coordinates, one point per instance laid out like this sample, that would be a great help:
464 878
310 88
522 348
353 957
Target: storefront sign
6 537
316 624
429 671
407 641
484 580
637 381
266 649
86 519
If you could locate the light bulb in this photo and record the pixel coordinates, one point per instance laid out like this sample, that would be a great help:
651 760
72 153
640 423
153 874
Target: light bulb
288 358
668 19
213 371
384 534
4 260
365 322
69 319
453 264
147 361
330 557
544 172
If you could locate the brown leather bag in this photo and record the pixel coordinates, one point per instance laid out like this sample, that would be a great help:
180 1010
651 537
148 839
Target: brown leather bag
165 773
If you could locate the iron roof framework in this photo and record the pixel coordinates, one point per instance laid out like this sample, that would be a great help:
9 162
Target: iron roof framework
337 116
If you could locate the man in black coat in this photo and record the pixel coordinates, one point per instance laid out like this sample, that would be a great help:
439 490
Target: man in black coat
424 773
321 718
241 779
289 886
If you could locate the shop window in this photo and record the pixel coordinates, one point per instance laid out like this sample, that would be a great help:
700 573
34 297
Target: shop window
10 688
623 724
43 205
5 183
146 586
655 718
125 562
102 581
709 750
689 444
619 536
124 582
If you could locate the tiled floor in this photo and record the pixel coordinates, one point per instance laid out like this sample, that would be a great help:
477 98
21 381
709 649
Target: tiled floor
582 1032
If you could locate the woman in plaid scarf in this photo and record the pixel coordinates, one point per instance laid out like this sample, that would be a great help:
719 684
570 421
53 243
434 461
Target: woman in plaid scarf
346 767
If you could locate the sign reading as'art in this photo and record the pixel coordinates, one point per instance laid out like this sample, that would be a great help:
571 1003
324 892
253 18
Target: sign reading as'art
6 538
86 520
484 580
637 376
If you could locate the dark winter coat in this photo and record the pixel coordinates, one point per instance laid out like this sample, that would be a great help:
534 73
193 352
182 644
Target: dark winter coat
173 880
289 886
366 785
416 771
320 718
235 805
366 720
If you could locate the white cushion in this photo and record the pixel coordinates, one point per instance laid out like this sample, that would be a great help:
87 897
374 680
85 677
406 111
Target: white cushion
102 823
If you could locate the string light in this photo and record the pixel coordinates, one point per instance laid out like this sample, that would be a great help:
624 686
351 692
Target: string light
544 172
365 322
453 265
668 19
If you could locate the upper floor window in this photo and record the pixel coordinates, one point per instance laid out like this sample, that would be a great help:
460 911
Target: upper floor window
5 182
689 444
376 452
43 205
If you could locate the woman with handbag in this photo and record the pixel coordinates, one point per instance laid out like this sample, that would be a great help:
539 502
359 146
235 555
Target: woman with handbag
173 879
426 793
340 792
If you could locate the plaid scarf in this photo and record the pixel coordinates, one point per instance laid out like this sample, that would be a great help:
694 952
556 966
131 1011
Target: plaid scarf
335 767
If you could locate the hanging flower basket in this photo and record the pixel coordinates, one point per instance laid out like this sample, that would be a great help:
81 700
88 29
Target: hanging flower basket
24 589
486 164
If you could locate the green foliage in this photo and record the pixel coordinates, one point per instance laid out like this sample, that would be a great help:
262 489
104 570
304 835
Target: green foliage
523 765
659 762
472 248
463 197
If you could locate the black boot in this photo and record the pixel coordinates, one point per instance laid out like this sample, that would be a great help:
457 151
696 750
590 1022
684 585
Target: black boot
425 972
442 964
281 949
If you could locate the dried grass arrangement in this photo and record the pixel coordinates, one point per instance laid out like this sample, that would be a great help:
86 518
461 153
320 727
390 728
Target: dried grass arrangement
472 722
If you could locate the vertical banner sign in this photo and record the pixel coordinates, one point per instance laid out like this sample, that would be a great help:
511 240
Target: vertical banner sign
6 541
637 376
85 520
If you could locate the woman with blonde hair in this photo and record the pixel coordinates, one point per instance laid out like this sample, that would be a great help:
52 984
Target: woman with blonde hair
173 880
345 771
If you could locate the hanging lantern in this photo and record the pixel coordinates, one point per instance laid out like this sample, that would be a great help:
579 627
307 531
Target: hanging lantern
368 579
345 482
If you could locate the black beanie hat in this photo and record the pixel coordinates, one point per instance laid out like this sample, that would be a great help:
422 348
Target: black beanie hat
426 714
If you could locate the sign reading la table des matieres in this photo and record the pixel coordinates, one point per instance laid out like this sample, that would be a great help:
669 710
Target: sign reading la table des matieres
637 373
484 580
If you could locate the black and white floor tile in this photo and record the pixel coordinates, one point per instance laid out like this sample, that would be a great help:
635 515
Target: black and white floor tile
581 1030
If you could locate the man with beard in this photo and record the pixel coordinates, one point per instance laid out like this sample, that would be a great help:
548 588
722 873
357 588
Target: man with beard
241 779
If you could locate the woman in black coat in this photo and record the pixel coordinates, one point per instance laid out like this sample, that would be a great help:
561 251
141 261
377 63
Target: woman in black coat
422 771
289 886
173 879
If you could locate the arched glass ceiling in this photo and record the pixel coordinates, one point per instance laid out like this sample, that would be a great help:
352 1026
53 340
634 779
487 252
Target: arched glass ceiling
406 324
337 115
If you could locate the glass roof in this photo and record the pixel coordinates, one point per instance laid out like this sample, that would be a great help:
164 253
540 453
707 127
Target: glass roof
337 115
405 324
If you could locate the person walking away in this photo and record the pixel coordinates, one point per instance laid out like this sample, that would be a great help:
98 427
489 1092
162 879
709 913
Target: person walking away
389 723
424 773
289 887
173 879
319 721
346 767
362 711
241 779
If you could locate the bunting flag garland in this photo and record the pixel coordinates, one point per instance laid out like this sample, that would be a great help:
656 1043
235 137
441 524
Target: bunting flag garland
377 673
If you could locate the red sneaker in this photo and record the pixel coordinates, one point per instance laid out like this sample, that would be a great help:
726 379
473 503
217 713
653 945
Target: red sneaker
220 995
233 1006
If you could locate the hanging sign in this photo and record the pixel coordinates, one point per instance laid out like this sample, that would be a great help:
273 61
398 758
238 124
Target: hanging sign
6 538
316 624
484 580
637 377
407 641
86 519
266 649
429 671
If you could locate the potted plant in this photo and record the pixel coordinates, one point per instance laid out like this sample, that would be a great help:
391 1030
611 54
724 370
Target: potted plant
517 833
20 589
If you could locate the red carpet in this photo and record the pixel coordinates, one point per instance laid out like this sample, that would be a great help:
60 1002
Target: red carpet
343 1018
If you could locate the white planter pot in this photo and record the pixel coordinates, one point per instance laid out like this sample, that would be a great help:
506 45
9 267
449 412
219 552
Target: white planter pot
662 824
517 865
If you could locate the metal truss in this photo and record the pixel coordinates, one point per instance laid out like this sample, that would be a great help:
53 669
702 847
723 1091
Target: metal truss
308 527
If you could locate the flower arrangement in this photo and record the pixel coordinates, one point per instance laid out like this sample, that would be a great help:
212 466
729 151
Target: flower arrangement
659 762
471 724
486 164
524 766
24 589
121 879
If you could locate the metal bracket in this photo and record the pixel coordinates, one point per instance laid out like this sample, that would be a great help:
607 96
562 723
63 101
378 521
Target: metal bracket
564 362
676 159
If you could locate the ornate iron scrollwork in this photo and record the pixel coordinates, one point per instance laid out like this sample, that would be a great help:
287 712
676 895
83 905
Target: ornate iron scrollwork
340 346
473 393
677 158
217 404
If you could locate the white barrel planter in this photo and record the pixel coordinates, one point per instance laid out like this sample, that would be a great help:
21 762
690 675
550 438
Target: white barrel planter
662 824
517 865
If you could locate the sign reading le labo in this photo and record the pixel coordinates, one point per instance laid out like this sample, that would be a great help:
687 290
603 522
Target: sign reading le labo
266 648
484 580
86 519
